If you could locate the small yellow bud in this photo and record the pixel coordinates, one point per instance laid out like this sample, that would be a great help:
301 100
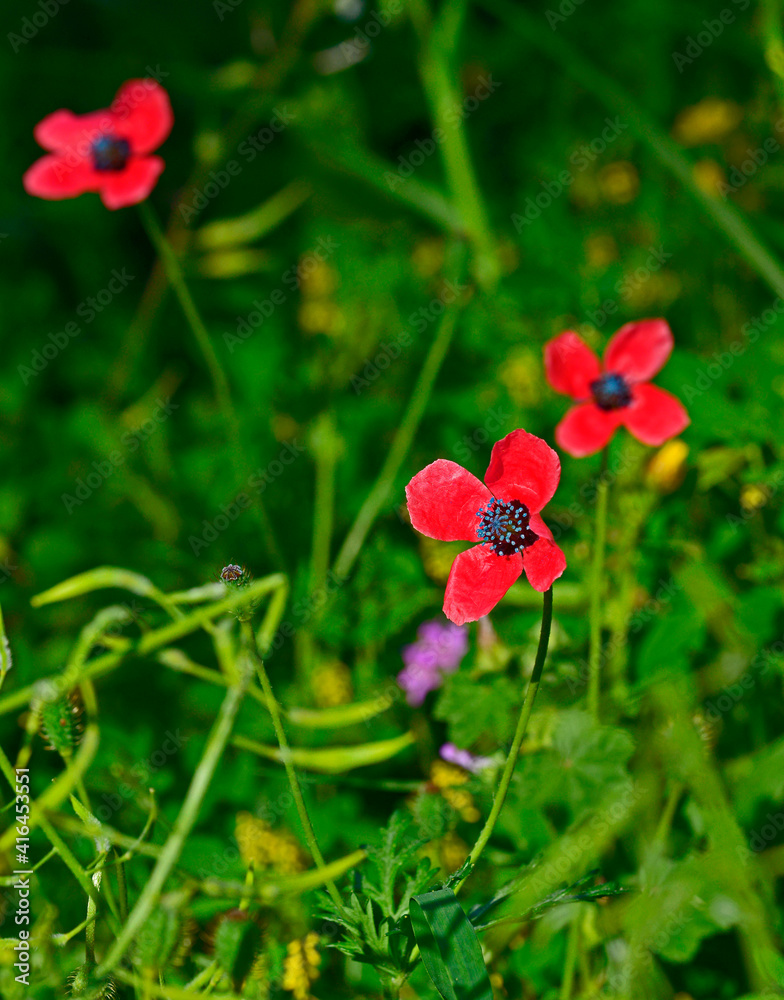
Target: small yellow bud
619 182
667 469
710 120
753 497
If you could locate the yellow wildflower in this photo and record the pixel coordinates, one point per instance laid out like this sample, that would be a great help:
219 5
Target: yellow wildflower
300 966
321 316
446 775
452 852
331 683
710 120
600 250
753 497
521 374
317 279
619 182
267 848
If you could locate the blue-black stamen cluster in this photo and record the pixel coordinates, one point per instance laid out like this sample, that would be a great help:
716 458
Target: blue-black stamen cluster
506 526
611 391
110 153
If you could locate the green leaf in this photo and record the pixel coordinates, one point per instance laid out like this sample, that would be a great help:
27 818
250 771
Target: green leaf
450 949
472 708
585 762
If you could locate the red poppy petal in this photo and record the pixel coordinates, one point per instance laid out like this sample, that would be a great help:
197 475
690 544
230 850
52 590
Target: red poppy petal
142 114
571 365
63 130
132 184
539 528
523 467
543 562
53 177
586 429
654 415
477 582
639 350
443 500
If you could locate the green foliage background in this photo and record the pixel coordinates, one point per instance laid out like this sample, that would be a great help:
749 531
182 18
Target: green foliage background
695 571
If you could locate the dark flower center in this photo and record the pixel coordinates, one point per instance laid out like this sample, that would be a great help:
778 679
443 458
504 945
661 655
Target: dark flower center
506 526
611 391
110 153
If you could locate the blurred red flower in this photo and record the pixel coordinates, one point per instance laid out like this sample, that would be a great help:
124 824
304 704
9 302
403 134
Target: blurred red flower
447 502
618 395
105 151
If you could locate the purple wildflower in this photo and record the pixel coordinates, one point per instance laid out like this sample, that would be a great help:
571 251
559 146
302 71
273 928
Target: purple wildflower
439 648
464 758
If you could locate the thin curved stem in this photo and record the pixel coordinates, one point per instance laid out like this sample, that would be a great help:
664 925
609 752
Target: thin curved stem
285 756
405 432
220 383
522 725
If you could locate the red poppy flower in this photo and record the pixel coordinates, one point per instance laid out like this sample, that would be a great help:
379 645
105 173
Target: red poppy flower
105 151
618 395
447 502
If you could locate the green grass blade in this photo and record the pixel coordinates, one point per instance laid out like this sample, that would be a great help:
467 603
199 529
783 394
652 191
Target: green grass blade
449 946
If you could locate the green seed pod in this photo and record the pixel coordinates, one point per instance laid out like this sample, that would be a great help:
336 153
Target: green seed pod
236 940
83 984
157 940
61 724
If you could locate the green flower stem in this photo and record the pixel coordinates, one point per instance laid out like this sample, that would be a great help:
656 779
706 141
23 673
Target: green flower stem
92 913
437 42
522 725
219 381
409 425
326 448
597 574
572 951
5 651
210 758
285 756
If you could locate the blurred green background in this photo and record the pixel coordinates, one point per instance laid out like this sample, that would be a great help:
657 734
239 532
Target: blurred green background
628 163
